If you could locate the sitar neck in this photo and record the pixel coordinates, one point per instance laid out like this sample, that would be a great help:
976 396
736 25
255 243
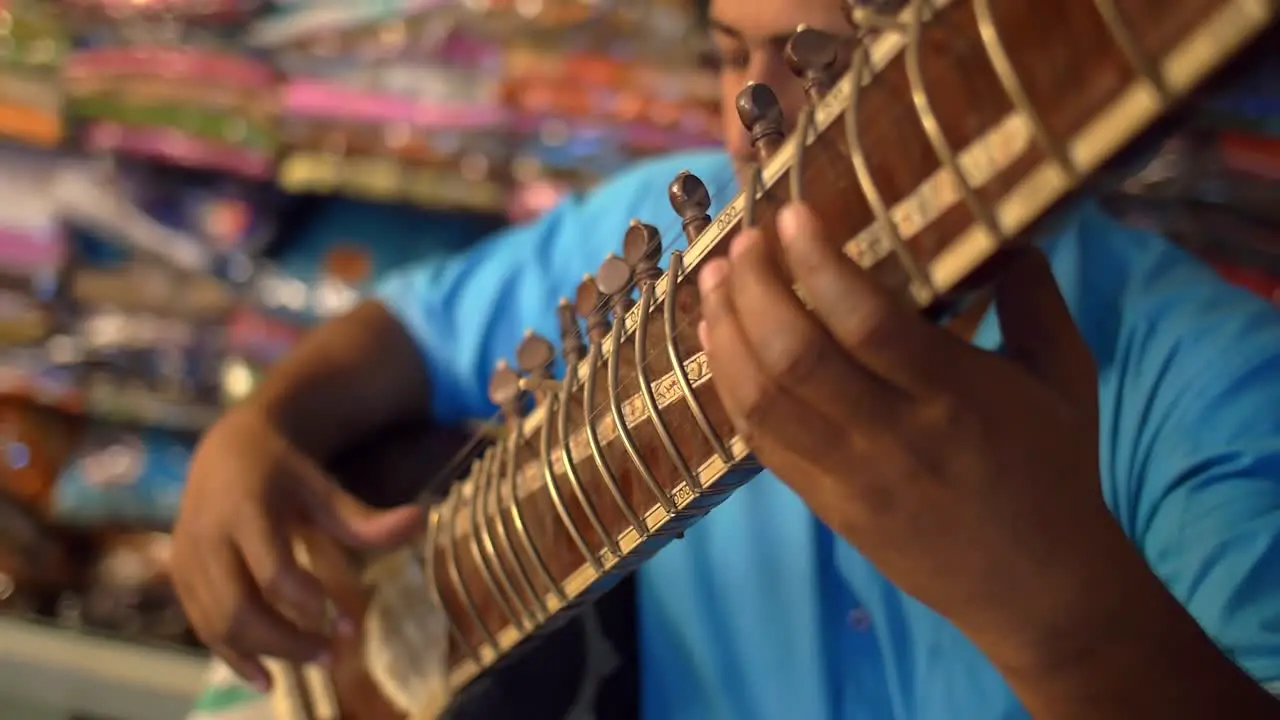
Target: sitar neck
947 139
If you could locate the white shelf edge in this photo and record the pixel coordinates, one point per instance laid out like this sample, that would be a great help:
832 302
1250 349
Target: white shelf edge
70 671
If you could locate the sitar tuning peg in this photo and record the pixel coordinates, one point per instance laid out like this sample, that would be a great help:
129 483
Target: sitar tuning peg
642 251
536 354
816 58
692 202
570 332
591 307
761 114
615 278
504 390
535 357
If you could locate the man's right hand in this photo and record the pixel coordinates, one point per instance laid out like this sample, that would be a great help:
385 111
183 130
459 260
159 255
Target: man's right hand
250 491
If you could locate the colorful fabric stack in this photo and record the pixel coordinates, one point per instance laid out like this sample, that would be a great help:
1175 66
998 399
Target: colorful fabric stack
436 105
33 44
199 107
33 246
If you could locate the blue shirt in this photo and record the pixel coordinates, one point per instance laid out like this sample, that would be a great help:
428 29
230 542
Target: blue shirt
760 612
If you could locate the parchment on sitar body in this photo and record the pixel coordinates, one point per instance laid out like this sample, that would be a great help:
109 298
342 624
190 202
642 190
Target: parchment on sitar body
406 637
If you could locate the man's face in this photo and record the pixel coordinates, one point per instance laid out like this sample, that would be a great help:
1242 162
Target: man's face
749 36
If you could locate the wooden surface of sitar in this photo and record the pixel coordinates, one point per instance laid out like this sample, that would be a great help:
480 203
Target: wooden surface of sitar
951 132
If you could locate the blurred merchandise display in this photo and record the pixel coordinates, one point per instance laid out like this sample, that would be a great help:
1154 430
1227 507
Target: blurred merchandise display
33 47
467 105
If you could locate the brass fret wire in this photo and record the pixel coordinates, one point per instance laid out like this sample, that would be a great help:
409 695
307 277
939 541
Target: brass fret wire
922 287
571 469
477 542
538 609
429 568
646 391
451 565
517 516
1147 69
674 271
1013 86
933 128
593 440
549 475
750 193
488 467
620 421
804 126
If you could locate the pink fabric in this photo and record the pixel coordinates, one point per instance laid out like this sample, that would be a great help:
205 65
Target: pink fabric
224 9
176 147
28 251
175 63
312 99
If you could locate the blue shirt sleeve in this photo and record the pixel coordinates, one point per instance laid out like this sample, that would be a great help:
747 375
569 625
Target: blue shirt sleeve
1197 440
470 310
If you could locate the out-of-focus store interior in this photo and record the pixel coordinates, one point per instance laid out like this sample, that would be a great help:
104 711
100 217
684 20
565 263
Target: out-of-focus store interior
168 172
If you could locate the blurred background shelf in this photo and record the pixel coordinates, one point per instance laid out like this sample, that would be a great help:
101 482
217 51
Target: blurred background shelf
60 673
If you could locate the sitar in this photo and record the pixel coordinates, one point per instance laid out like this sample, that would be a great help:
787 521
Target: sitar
950 130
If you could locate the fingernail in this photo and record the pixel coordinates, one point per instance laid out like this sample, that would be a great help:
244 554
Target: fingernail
743 242
712 274
703 333
789 221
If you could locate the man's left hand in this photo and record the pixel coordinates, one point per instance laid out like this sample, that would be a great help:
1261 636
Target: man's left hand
969 478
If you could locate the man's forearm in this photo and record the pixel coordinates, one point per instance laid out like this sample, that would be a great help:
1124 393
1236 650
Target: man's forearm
346 380
1145 657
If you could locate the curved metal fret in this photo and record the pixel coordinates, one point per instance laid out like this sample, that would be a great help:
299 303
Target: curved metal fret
922 286
517 516
620 421
597 451
646 391
1007 73
669 317
538 609
429 569
480 541
933 128
449 530
571 468
795 176
553 489
1144 66
749 195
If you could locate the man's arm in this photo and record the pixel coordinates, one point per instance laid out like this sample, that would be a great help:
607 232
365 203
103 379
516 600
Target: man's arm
1184 621
346 380
1142 655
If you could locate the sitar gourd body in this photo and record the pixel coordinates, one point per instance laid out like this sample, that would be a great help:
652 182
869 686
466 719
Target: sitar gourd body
944 134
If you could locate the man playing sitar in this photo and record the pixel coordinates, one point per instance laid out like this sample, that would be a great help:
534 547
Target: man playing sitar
1068 509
